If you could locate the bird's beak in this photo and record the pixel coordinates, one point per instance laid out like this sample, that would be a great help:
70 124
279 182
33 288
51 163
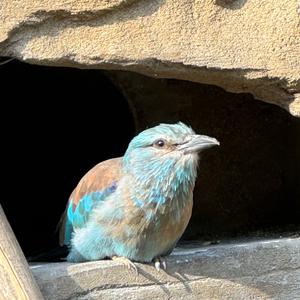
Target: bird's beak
198 143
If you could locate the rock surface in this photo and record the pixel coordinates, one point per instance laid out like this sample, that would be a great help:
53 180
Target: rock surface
268 269
242 46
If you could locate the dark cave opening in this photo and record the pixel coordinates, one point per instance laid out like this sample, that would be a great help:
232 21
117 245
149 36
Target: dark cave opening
61 122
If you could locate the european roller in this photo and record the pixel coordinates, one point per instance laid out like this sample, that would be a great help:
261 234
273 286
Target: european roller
136 207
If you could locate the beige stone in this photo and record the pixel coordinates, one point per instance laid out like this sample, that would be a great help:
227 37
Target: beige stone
242 46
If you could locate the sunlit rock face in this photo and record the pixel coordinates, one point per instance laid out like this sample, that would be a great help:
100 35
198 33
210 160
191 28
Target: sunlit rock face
241 46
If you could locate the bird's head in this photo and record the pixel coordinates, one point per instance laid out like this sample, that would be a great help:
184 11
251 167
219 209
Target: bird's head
165 153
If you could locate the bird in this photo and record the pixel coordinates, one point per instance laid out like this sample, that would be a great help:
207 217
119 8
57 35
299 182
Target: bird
135 208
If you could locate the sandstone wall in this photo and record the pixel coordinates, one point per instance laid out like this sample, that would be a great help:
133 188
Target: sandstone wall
242 46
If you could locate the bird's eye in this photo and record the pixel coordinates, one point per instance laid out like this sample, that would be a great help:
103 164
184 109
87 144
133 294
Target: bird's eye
159 143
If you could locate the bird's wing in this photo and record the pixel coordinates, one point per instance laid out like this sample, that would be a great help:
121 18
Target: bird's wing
95 186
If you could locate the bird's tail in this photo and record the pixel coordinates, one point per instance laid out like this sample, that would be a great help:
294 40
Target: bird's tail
57 254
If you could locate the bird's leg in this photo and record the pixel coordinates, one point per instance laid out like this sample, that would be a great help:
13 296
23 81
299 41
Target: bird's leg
126 262
159 263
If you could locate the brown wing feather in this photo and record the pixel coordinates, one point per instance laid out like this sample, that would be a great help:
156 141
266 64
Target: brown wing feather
98 178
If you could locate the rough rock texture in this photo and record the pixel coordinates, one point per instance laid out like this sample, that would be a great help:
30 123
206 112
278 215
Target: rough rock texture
252 181
267 269
242 46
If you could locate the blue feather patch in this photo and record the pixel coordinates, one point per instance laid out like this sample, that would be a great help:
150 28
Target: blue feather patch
79 217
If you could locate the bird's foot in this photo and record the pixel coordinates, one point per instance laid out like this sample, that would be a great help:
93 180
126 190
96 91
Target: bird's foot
160 263
126 262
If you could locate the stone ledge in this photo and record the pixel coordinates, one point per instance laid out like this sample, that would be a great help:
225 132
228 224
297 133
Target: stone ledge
266 269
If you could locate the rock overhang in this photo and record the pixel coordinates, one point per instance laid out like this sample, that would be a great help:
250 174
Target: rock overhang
241 46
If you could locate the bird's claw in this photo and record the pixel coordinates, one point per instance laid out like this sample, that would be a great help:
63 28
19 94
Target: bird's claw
126 262
160 263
